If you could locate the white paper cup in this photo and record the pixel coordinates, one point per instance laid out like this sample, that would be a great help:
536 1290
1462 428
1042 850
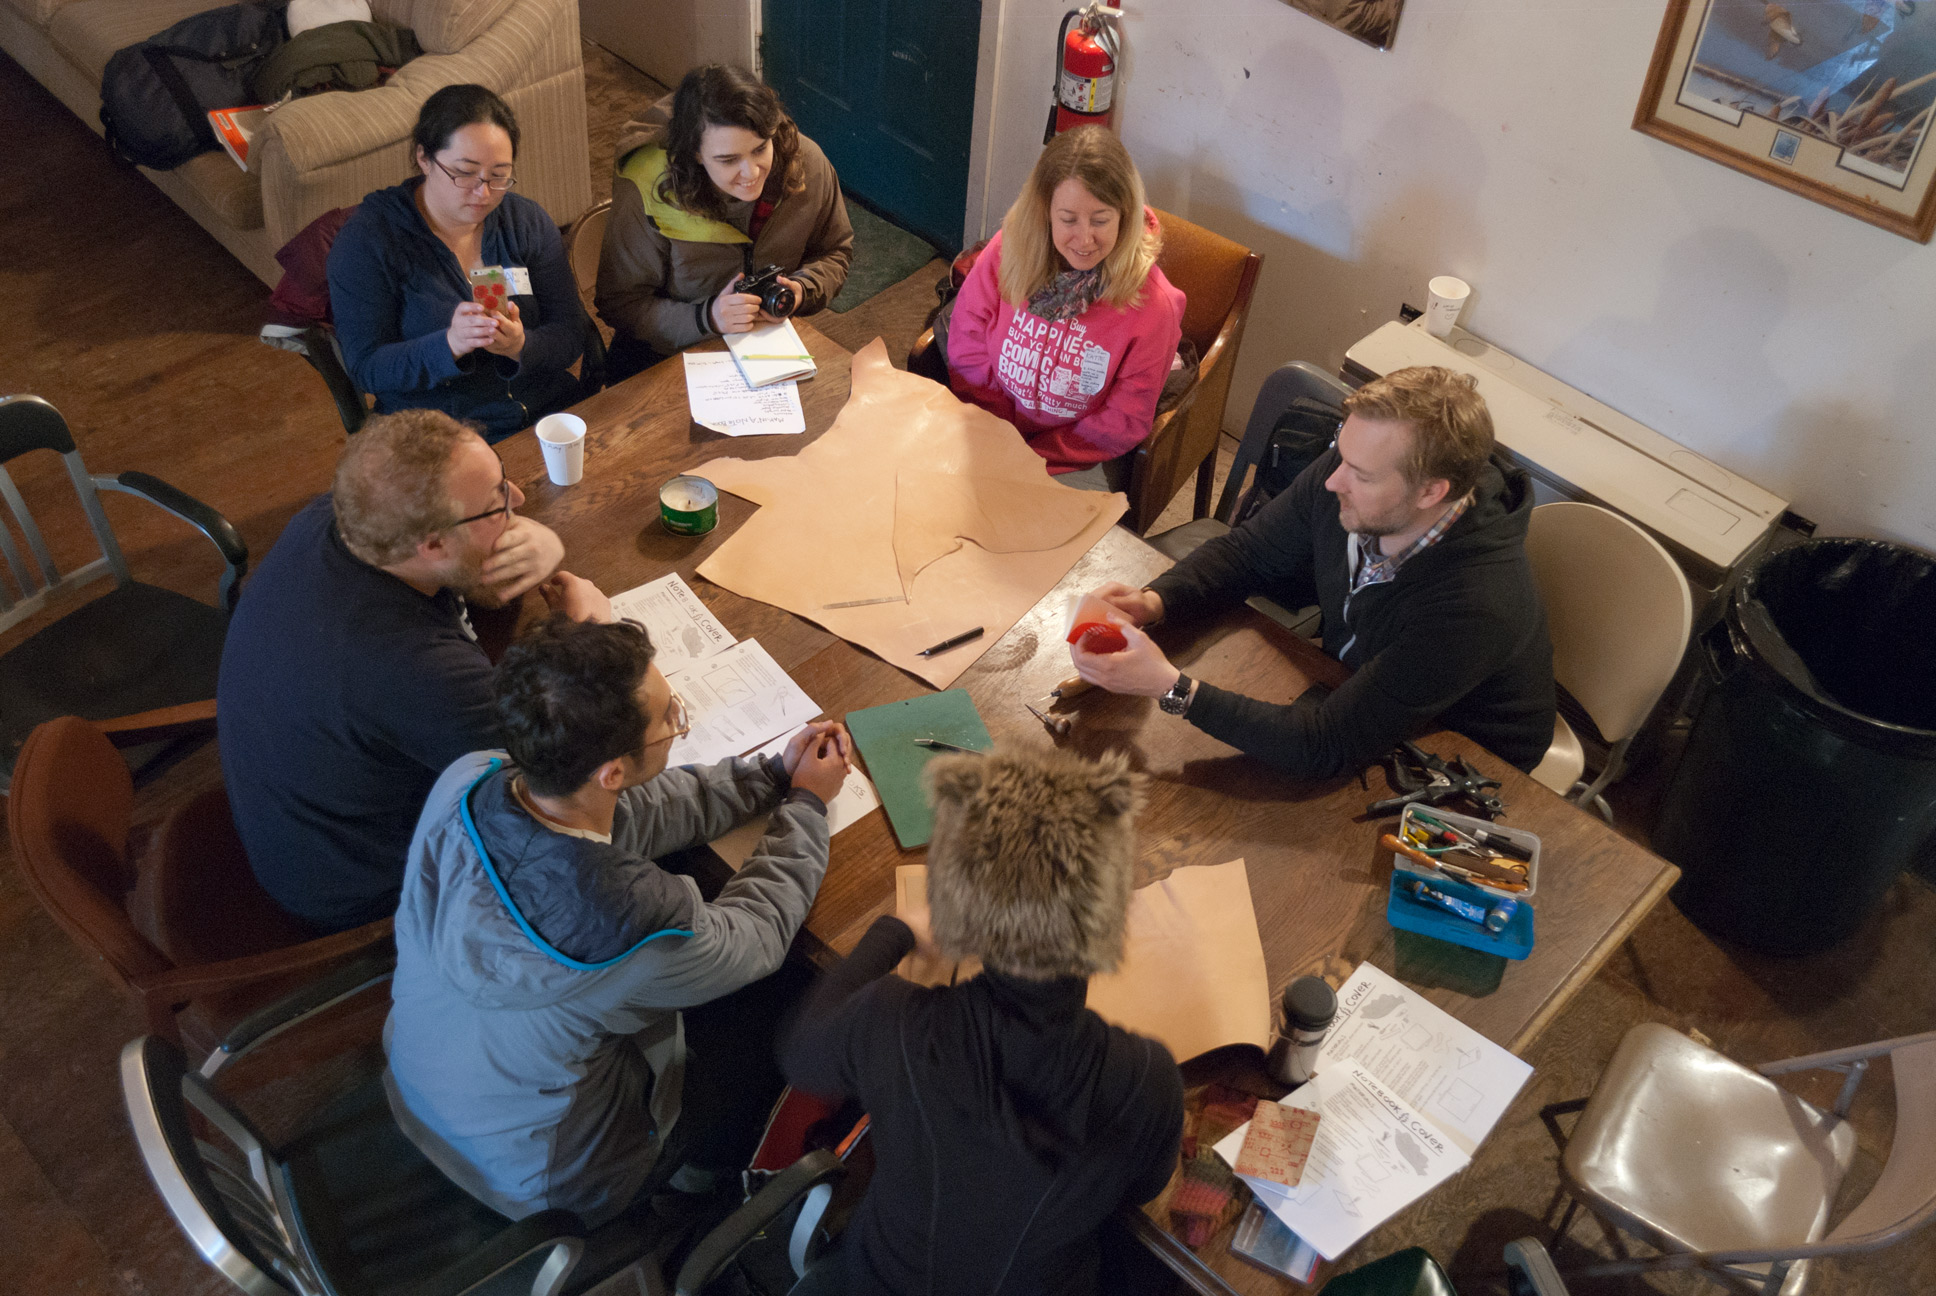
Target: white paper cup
1444 299
563 439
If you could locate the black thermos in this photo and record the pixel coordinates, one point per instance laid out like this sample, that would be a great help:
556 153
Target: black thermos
1309 1005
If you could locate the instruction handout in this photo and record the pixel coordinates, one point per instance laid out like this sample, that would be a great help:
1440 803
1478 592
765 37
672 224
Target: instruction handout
1456 1076
855 798
1374 1155
721 400
737 699
683 629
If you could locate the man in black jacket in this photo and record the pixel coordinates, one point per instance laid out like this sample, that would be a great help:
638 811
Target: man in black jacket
1410 535
1009 1121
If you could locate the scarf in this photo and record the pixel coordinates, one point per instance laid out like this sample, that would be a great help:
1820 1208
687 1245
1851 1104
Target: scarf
1068 295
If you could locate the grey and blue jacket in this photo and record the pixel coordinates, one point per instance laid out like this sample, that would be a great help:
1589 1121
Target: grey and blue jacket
534 1038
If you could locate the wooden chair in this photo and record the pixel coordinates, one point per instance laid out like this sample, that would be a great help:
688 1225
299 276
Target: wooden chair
1217 276
184 928
584 239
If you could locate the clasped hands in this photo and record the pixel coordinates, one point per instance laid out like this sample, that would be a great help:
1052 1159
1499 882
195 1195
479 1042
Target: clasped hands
472 328
1140 668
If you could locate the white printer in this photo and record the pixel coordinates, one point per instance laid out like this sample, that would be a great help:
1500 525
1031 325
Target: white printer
1576 448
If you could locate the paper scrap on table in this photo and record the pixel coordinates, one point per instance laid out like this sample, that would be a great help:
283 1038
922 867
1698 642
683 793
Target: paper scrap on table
1193 972
1278 1144
1374 1155
1457 1076
908 475
855 798
682 629
737 699
721 400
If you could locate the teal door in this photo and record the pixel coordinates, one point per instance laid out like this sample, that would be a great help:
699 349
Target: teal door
887 88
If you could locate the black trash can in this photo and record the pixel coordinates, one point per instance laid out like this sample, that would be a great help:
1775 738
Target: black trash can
1809 779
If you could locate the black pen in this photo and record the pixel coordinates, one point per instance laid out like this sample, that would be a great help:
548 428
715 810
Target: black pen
966 636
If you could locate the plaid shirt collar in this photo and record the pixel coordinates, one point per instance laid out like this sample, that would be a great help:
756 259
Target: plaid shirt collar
1369 566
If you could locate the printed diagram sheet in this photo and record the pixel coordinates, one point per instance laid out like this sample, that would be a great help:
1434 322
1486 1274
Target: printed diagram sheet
1374 1155
683 629
1456 1076
855 798
721 400
738 699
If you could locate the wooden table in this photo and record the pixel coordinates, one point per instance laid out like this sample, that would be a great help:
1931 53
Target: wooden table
1318 878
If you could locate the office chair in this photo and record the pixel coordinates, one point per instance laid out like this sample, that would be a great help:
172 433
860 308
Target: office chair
1619 613
1217 277
1724 1172
134 655
184 928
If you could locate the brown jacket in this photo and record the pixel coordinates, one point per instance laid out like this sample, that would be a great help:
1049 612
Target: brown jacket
656 288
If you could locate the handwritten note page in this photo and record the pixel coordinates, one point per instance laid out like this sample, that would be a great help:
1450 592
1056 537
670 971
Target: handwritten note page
738 699
683 630
721 400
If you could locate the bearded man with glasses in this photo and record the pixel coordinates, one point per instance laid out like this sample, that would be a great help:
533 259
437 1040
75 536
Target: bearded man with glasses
351 675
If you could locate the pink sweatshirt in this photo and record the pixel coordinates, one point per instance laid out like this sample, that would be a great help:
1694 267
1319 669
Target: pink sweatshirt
1080 391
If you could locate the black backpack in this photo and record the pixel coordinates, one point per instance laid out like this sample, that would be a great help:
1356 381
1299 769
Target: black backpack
156 96
1302 432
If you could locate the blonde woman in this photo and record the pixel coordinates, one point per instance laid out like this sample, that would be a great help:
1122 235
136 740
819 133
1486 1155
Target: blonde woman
1065 326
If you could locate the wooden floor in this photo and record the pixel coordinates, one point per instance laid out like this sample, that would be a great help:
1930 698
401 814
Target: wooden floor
141 329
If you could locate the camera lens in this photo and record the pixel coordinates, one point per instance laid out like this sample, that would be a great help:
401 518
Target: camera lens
778 301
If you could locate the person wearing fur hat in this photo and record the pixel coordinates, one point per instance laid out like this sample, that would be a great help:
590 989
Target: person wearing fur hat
714 181
1009 1121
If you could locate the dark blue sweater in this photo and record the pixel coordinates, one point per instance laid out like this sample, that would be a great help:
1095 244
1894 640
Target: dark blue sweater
393 287
343 695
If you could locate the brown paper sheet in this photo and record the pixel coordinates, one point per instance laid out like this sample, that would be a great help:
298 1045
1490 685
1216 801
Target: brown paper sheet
1193 971
912 493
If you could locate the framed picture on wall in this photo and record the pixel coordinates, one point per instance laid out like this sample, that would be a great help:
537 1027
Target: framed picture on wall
1375 22
1831 99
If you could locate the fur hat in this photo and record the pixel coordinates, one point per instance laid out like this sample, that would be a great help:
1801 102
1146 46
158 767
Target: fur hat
1031 859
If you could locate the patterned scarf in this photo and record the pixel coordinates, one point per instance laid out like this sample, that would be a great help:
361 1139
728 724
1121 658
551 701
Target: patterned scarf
1067 295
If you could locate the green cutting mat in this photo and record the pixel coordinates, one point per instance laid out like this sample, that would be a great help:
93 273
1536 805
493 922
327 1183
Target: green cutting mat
885 736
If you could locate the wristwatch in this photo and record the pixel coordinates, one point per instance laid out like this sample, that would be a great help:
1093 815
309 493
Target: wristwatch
1177 700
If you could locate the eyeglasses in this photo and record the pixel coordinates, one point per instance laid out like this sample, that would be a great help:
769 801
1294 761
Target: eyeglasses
472 179
679 718
503 506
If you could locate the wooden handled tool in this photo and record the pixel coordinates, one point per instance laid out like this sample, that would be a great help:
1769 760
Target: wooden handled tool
1483 871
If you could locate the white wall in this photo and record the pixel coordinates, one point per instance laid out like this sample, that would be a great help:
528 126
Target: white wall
1786 341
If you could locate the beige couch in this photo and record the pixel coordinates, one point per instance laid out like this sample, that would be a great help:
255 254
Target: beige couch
329 150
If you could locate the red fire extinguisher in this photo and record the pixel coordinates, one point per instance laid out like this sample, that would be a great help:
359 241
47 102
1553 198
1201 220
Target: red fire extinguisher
1085 84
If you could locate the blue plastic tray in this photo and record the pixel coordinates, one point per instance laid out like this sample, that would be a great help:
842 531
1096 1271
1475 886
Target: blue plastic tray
1408 913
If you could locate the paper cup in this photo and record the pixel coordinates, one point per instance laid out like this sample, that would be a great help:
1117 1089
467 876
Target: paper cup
563 438
1445 298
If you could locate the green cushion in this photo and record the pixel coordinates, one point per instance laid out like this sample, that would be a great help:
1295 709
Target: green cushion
1411 1272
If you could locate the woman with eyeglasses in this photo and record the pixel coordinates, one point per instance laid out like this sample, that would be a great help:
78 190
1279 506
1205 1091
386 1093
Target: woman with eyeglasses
714 182
410 327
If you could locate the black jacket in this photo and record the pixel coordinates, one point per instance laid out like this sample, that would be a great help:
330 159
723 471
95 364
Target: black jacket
1009 1122
1457 638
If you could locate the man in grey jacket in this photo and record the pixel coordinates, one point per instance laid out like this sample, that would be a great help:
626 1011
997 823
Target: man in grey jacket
537 1052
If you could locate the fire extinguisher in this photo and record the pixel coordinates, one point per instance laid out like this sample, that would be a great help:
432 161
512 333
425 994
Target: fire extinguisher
1085 84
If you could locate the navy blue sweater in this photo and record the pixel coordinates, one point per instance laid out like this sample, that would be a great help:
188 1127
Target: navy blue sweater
343 695
393 287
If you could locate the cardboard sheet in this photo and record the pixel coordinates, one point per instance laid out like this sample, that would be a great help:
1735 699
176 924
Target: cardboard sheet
1193 965
911 494
1193 970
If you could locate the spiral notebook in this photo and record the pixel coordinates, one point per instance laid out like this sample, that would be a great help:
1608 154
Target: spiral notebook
771 353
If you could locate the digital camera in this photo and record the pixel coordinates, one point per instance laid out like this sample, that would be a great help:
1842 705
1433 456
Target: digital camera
776 299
